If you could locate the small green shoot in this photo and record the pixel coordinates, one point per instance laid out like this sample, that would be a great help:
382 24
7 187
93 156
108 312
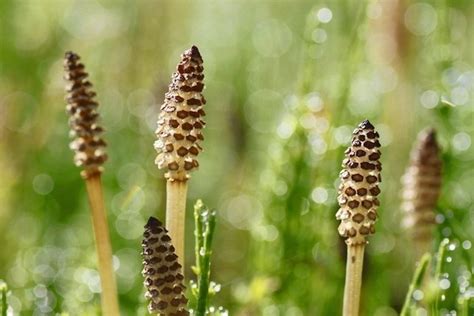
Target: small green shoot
416 282
440 259
205 221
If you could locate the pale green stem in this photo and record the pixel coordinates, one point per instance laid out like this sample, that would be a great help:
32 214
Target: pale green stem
204 233
416 282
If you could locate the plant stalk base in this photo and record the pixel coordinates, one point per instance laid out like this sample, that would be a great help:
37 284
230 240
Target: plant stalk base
109 301
355 262
176 192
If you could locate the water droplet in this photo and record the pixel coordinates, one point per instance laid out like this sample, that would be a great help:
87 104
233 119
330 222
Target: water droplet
446 231
466 244
421 312
418 295
319 195
460 95
314 102
216 287
444 284
449 259
461 141
440 218
202 252
452 247
286 128
429 99
324 15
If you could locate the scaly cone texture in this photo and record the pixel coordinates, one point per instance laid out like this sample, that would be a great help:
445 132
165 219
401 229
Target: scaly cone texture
180 121
87 145
421 186
162 272
359 187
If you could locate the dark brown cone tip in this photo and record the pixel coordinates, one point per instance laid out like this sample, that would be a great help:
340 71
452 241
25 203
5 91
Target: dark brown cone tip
164 280
180 122
366 125
88 146
153 222
194 52
428 137
71 56
359 187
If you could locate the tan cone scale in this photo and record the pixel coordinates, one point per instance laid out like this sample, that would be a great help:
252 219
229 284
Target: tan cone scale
87 145
180 121
421 186
359 187
162 272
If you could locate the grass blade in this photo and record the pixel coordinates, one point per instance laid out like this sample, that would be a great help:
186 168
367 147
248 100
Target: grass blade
416 282
440 259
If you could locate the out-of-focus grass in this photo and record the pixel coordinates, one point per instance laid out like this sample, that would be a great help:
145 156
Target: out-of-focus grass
417 281
3 298
286 82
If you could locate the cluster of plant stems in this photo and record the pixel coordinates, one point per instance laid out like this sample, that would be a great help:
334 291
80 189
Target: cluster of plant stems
428 271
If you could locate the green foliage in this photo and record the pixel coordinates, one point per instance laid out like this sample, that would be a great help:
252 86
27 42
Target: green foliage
3 296
423 266
285 83
204 289
432 287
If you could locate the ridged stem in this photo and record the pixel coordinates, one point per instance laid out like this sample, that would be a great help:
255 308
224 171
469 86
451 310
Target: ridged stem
205 221
355 262
109 301
176 192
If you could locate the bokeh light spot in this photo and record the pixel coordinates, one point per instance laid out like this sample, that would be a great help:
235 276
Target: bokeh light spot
319 195
272 38
43 184
459 95
429 99
314 102
319 36
466 244
342 134
286 128
444 284
421 19
461 141
418 295
324 15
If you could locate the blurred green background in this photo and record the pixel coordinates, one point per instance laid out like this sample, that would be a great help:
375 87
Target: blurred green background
286 82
